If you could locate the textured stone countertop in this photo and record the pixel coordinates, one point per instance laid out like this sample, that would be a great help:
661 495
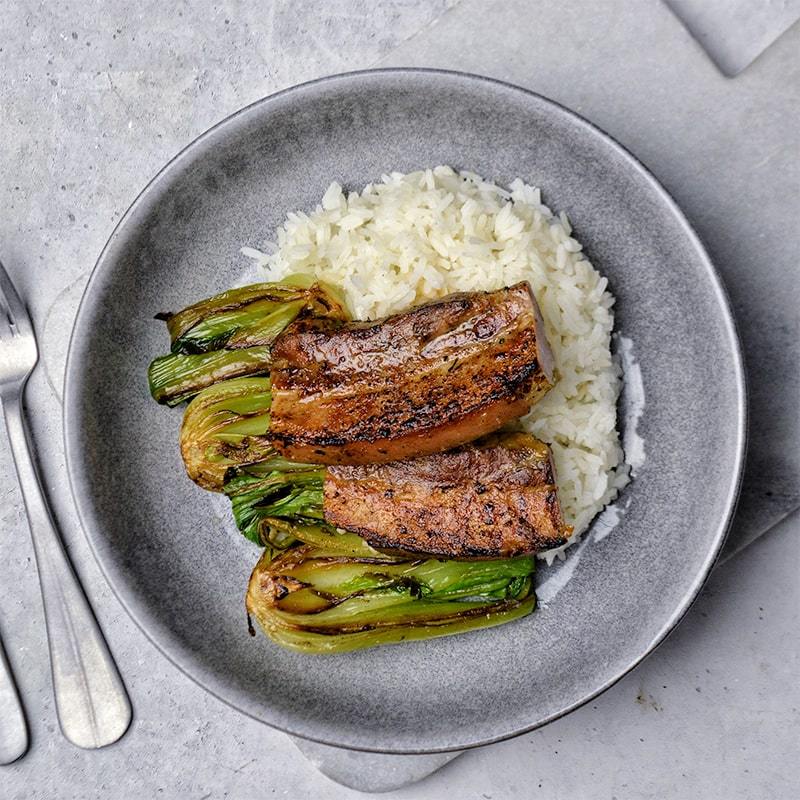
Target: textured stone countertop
95 97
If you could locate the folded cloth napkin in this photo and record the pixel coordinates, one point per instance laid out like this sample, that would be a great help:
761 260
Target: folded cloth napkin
734 33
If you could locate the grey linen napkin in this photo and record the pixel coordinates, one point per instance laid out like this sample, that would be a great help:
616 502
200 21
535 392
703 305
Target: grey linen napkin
734 33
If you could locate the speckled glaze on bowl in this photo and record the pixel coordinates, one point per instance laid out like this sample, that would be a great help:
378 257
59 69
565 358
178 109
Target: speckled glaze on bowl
174 561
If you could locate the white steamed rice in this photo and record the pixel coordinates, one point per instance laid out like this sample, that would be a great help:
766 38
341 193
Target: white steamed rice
417 237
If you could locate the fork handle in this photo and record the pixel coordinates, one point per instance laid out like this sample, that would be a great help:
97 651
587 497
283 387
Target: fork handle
92 705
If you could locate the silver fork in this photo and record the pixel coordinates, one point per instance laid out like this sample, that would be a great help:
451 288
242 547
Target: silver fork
92 705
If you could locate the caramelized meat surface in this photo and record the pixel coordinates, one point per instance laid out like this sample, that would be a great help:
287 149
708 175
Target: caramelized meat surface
494 500
416 383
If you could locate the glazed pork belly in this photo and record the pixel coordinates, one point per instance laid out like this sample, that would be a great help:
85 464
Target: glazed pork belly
493 499
421 382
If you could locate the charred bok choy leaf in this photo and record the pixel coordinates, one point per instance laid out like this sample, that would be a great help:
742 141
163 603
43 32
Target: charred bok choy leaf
267 492
229 335
317 600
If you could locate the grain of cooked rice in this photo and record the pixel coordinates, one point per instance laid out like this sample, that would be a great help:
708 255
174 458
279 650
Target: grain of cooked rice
417 237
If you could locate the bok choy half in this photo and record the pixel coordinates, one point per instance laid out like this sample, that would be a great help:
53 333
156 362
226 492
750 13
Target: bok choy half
318 600
229 335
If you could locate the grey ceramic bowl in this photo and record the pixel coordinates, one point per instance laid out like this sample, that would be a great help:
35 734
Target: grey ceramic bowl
170 553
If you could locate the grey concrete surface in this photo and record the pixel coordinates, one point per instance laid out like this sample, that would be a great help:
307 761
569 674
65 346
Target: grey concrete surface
95 97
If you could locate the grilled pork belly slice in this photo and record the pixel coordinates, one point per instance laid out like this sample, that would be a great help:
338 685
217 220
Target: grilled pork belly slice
416 383
493 499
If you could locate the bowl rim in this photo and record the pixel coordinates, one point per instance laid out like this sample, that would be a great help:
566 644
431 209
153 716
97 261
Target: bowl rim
81 494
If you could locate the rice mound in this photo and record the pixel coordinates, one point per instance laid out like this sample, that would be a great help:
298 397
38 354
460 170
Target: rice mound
417 237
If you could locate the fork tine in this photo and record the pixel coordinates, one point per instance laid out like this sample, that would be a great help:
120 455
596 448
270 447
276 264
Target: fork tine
18 314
